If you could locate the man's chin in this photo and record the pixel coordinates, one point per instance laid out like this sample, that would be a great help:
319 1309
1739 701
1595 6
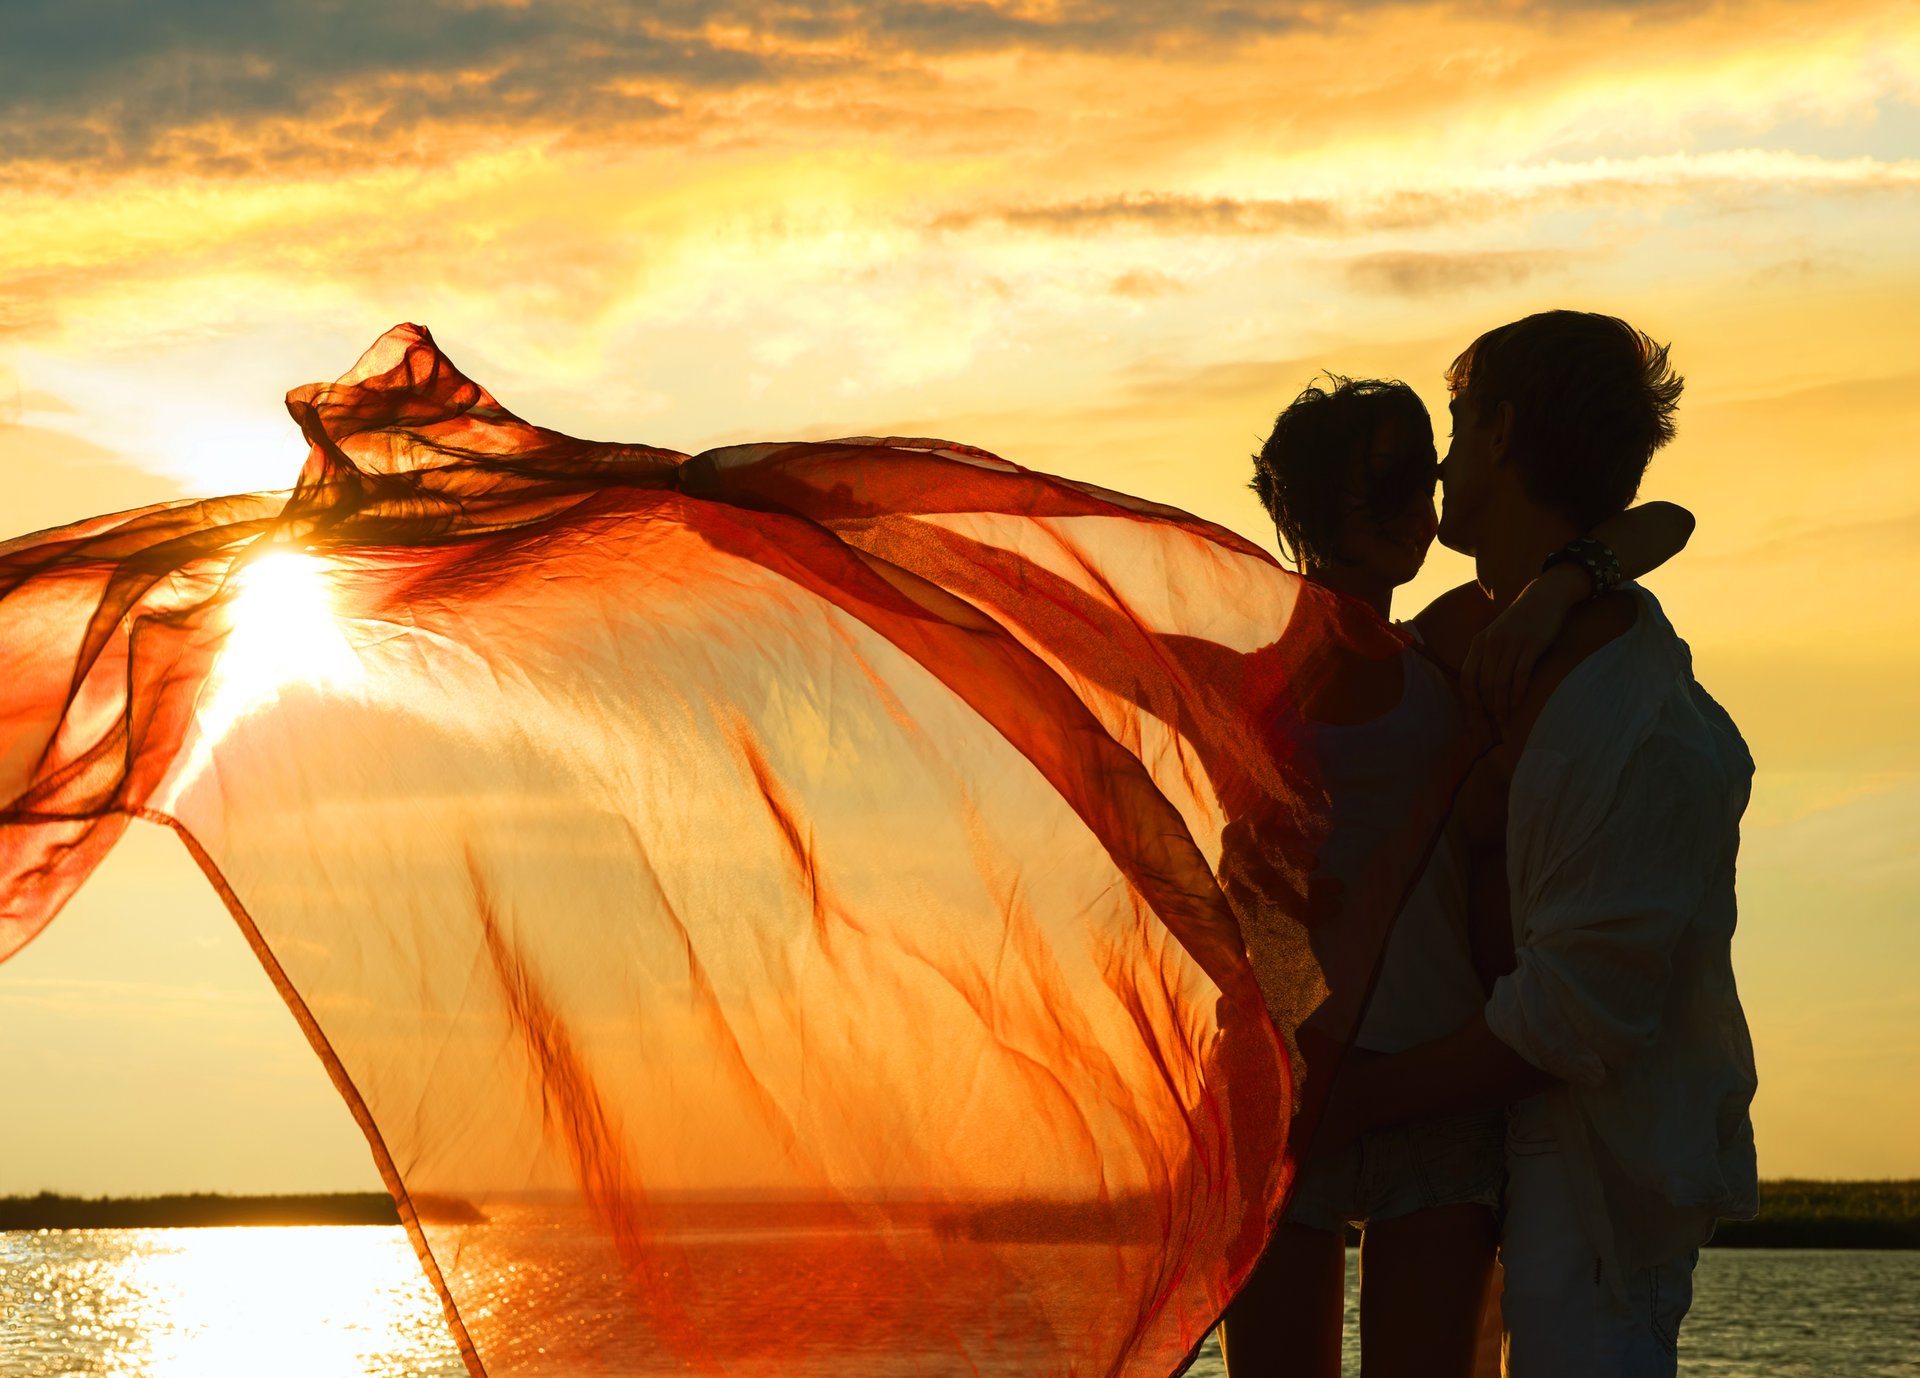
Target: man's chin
1459 542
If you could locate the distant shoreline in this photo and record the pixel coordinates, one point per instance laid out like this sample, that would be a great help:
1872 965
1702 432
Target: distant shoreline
1794 1214
48 1211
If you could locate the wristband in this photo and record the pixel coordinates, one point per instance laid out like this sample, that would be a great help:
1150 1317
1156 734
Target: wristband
1595 557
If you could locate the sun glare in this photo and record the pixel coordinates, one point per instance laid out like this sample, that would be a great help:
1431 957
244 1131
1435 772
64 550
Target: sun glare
283 632
227 1303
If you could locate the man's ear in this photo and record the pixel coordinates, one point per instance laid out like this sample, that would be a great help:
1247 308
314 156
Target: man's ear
1500 433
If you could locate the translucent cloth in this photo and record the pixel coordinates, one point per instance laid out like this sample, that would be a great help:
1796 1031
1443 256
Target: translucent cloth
777 911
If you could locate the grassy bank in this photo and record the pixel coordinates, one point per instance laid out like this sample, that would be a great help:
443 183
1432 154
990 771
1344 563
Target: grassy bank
1800 1214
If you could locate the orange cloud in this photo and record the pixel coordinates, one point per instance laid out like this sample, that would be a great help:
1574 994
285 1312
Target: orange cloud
221 88
1409 274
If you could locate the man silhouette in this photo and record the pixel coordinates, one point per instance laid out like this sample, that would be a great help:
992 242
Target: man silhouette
1617 1035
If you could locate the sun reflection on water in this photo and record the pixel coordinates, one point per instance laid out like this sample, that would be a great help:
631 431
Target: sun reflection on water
296 1302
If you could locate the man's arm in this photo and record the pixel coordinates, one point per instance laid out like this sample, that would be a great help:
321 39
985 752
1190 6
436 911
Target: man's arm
1608 912
1469 1069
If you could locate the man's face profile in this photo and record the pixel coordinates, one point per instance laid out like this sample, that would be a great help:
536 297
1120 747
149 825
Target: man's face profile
1465 476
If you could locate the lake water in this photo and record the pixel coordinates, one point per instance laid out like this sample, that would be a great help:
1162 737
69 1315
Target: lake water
341 1302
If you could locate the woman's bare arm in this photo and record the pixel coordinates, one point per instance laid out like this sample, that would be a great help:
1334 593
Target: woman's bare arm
1644 538
1500 661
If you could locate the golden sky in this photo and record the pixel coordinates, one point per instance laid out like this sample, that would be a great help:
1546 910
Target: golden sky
1104 239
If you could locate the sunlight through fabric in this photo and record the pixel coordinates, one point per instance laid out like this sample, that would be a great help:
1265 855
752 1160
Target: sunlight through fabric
283 633
834 908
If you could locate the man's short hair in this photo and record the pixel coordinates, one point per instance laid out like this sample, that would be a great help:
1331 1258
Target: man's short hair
1301 474
1592 399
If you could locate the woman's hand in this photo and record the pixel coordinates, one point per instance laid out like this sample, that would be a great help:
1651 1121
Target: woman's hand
1499 663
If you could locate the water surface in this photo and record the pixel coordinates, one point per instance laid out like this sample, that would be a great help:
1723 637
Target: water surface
344 1301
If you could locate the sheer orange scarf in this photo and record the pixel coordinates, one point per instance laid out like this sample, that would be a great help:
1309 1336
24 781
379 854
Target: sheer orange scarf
779 911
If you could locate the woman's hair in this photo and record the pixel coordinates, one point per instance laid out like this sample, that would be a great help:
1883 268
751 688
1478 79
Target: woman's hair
1302 474
1592 399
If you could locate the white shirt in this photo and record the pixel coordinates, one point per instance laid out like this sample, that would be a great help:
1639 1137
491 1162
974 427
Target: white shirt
1624 819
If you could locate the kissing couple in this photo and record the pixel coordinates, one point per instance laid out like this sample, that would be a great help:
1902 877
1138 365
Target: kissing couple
1553 1070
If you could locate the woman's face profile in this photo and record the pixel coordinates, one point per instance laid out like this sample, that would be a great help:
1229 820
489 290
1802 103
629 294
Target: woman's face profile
1388 518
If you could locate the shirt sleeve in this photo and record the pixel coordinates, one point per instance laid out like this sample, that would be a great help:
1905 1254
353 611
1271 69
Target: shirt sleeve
1598 933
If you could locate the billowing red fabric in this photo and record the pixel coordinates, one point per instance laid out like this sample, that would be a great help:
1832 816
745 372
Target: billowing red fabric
779 911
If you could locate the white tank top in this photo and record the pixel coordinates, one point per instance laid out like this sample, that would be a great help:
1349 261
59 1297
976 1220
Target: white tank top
1427 985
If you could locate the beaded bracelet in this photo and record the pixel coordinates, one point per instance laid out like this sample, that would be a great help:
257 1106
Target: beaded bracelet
1595 557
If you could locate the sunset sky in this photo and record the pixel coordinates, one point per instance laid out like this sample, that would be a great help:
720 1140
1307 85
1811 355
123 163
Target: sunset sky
1107 240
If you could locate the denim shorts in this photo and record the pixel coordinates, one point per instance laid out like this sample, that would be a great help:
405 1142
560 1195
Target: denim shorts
1562 1318
1459 1160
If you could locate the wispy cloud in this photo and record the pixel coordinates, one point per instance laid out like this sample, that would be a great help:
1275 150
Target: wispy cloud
1481 196
1144 284
1431 274
1163 212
